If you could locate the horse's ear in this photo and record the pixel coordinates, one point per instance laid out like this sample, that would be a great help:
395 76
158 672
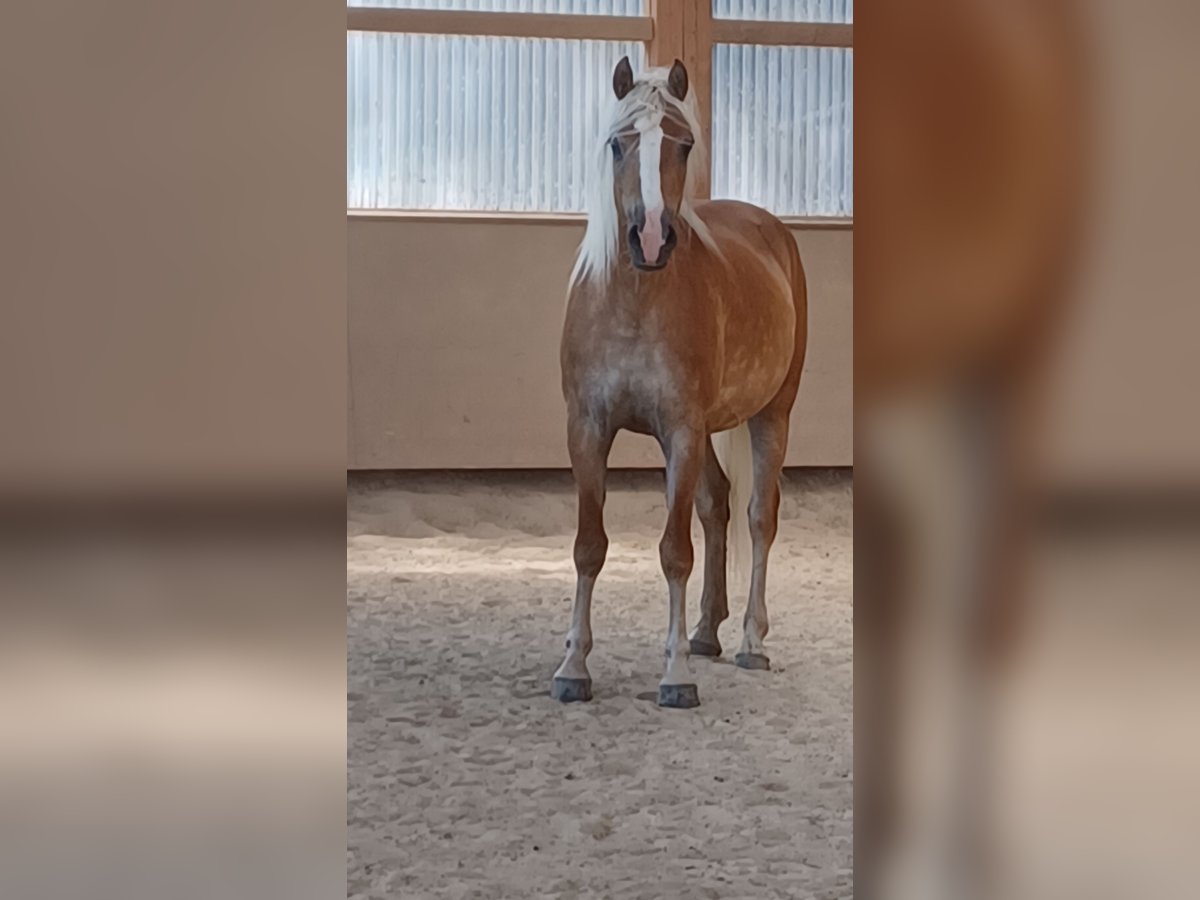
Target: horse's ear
623 78
677 81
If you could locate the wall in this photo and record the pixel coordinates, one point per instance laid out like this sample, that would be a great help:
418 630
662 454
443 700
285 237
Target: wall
453 345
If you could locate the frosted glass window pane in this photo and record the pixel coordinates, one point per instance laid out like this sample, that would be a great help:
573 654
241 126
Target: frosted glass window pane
782 129
474 123
841 11
578 7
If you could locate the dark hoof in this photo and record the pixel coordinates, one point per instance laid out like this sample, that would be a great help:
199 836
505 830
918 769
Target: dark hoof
571 690
678 696
752 661
704 648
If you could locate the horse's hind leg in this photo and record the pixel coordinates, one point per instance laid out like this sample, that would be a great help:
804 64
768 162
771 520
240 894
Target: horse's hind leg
768 436
589 444
712 504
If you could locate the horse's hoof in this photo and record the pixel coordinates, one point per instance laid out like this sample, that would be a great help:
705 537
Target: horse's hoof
704 648
678 696
571 690
752 661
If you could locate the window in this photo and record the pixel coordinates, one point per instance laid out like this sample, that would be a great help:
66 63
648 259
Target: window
474 123
781 128
444 115
785 10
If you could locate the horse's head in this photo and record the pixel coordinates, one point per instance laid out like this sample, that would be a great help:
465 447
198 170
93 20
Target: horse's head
650 161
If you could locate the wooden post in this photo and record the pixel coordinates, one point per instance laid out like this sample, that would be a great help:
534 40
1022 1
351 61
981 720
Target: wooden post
666 45
683 31
698 57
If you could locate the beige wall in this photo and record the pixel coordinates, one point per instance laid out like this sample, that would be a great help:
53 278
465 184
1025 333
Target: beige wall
453 346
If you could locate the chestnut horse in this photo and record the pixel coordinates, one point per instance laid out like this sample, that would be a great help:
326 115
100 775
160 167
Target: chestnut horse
684 319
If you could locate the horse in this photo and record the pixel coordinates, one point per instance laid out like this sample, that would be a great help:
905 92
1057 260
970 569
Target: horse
686 320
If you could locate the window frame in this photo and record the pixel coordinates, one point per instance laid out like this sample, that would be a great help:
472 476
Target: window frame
671 29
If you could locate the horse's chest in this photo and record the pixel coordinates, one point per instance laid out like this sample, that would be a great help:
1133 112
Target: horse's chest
630 378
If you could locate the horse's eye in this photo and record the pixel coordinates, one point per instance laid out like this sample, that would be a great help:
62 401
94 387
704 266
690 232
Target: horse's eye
616 149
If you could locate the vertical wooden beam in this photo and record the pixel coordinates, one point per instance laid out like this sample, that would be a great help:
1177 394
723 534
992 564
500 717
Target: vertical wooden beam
683 31
666 45
698 56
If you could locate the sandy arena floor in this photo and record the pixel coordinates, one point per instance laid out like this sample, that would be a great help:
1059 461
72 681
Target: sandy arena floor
467 780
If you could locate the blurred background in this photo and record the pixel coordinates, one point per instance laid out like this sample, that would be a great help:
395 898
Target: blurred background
1027 450
172 689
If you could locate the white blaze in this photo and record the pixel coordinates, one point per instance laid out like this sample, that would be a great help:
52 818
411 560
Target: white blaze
649 157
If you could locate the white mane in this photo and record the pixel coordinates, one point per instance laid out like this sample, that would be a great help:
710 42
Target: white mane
598 249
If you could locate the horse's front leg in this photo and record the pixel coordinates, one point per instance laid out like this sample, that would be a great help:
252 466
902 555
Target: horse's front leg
684 451
712 503
588 442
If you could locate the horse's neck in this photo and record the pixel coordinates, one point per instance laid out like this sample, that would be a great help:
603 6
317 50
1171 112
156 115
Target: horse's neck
641 291
634 294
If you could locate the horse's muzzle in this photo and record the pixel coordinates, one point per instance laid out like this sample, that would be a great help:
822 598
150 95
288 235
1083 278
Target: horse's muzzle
664 254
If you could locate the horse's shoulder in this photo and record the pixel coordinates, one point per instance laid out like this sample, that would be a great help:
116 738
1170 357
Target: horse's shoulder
735 221
742 231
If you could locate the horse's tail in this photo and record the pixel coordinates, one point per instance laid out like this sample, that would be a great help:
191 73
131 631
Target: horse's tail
736 457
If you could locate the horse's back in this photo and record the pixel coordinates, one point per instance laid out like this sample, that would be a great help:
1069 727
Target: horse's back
735 221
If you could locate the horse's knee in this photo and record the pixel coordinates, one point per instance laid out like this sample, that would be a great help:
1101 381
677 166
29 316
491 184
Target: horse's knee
675 552
763 529
590 551
764 517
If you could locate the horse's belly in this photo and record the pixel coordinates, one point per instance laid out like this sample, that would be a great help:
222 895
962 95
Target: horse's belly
755 368
740 399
